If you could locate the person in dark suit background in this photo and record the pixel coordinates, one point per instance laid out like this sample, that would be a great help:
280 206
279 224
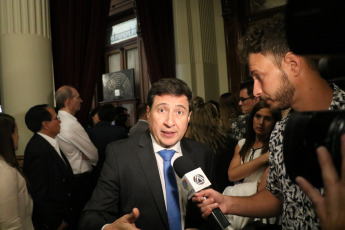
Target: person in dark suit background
132 179
103 133
48 171
142 123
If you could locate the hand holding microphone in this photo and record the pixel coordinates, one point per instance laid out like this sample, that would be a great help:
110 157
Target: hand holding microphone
194 180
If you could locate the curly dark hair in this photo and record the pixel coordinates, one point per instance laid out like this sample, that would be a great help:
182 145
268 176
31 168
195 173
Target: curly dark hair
269 39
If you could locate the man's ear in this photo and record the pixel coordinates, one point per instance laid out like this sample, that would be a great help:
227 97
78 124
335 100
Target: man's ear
67 102
292 63
44 125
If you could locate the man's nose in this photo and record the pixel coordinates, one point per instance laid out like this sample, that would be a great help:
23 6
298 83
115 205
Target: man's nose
169 120
257 90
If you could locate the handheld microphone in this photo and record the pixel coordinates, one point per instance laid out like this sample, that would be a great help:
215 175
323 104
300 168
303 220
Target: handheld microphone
194 180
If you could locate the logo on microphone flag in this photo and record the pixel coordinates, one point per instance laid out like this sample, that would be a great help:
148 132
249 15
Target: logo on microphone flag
199 179
194 181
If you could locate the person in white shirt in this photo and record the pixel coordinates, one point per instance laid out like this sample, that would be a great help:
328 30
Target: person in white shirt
75 143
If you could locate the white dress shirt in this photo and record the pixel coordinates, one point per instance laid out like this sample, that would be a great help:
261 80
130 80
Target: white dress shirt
74 142
160 163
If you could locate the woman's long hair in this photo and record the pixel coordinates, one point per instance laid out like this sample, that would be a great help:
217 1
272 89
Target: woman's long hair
228 109
206 127
7 151
251 135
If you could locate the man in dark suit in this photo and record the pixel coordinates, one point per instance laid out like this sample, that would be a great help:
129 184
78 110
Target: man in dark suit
142 123
133 177
48 171
103 133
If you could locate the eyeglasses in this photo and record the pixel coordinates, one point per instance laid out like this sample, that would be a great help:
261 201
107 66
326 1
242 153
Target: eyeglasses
242 99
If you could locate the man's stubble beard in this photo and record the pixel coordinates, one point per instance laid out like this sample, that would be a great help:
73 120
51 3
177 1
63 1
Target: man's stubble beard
284 94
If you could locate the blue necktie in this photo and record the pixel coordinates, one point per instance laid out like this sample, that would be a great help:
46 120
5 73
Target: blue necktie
173 206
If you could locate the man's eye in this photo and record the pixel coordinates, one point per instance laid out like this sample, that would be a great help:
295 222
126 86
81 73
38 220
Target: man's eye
179 112
161 110
257 76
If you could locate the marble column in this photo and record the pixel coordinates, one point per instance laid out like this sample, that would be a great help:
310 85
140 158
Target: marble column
26 68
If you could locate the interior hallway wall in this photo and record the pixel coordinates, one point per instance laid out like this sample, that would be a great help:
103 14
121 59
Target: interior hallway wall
200 47
26 71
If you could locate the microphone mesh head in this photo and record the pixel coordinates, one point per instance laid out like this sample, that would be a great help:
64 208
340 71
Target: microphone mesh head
183 165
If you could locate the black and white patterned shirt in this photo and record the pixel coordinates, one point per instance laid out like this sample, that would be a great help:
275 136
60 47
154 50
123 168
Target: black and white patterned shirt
298 212
239 126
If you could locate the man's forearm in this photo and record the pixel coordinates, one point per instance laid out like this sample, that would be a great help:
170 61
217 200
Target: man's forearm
261 204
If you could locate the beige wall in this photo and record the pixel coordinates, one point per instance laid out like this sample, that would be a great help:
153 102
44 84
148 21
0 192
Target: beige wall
26 71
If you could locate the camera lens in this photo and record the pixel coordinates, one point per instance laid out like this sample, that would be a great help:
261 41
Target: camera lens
304 132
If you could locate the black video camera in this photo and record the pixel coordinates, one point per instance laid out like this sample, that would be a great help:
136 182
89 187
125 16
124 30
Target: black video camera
315 27
306 131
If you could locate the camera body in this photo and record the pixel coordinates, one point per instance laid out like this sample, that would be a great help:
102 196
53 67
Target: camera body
304 133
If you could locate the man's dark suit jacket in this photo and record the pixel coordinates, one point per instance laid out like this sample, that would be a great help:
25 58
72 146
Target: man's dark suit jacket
139 127
130 178
50 184
102 134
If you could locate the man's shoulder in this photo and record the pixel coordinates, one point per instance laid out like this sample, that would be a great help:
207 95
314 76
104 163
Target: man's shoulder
194 145
36 139
187 141
36 147
130 141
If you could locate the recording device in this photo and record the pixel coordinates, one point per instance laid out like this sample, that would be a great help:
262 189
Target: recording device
304 133
194 180
315 28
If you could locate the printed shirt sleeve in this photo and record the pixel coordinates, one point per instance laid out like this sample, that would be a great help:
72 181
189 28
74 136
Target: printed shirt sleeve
276 160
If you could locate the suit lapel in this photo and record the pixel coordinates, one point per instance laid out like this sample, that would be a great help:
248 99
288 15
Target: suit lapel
149 165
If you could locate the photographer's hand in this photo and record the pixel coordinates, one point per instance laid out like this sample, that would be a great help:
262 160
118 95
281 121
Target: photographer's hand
331 207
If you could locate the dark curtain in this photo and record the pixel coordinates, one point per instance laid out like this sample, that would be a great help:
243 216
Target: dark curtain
78 41
156 28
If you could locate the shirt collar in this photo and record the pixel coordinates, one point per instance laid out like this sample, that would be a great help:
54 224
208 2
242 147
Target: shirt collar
63 113
157 147
51 141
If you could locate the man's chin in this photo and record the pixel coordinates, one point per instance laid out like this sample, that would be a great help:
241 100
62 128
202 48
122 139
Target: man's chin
276 105
272 104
